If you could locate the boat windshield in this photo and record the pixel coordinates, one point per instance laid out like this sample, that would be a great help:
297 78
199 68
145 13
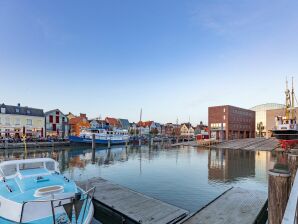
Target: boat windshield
8 170
35 165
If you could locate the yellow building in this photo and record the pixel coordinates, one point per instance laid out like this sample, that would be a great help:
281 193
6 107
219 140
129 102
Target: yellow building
16 121
187 130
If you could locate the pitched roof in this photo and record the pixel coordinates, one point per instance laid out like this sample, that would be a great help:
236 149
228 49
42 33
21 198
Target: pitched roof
29 111
124 123
145 124
50 111
112 121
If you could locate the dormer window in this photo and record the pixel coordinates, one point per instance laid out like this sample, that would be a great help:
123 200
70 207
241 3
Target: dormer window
28 111
2 110
17 110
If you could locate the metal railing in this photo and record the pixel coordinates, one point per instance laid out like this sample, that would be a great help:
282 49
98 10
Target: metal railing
86 197
291 212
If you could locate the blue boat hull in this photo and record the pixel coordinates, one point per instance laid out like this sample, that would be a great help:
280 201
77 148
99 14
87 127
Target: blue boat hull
76 139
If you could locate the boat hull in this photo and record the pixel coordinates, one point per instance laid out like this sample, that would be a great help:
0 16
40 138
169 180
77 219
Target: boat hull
76 139
285 134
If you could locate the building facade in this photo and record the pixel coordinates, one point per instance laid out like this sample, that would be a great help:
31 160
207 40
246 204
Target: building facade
261 116
56 124
78 123
16 121
186 130
229 122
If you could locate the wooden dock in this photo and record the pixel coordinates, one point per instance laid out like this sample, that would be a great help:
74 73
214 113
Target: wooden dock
128 206
236 205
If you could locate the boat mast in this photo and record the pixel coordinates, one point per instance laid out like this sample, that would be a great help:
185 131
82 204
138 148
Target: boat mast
293 100
288 101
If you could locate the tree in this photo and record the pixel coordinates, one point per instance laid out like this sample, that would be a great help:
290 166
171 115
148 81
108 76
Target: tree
260 128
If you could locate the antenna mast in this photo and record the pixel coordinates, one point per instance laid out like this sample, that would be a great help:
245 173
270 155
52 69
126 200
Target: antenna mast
288 101
293 95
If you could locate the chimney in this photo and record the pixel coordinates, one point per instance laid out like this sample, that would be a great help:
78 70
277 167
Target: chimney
83 115
19 104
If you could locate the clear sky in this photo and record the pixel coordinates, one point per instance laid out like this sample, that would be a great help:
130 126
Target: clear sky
172 58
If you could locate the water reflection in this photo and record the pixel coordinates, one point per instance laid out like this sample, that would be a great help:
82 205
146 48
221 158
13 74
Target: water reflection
186 177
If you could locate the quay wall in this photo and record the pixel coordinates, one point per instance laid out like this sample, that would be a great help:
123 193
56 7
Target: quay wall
33 145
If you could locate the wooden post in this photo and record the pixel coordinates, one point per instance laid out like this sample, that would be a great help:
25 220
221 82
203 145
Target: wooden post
151 142
126 144
140 142
177 140
109 143
278 193
293 165
93 141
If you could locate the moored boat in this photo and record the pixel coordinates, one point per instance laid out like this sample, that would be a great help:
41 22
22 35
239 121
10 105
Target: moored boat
102 136
34 191
286 128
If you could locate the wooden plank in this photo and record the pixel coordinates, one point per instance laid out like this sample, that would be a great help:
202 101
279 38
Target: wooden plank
235 206
134 205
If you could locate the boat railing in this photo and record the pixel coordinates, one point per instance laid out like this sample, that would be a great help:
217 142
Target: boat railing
85 198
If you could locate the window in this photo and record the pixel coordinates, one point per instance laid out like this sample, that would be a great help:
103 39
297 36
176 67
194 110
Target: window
57 119
17 110
224 117
54 127
29 121
3 110
224 110
28 111
17 121
57 113
51 118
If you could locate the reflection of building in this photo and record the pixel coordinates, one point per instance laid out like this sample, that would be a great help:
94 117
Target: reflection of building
261 114
16 121
56 124
226 165
229 122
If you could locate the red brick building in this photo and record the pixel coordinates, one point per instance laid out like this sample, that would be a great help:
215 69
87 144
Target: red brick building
229 122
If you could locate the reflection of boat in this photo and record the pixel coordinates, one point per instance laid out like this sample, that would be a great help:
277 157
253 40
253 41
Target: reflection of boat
286 129
33 191
102 136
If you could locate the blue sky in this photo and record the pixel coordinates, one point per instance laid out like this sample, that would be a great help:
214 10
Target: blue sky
172 58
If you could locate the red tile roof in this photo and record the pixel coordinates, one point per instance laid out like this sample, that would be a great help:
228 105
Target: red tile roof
112 121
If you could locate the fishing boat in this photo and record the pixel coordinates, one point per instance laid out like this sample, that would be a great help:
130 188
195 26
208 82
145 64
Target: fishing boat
34 191
102 136
286 128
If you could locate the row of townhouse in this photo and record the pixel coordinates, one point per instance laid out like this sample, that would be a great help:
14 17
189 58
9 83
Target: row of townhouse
16 121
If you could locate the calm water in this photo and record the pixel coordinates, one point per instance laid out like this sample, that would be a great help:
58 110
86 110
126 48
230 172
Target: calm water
186 177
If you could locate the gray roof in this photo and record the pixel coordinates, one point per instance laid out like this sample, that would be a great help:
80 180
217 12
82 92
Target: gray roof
51 111
124 123
29 111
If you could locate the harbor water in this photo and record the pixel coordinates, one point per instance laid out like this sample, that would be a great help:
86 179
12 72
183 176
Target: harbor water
187 177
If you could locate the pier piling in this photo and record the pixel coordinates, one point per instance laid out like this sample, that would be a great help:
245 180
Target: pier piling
278 193
93 141
109 143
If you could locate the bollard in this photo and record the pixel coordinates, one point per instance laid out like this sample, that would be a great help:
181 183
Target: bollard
278 193
293 165
93 141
